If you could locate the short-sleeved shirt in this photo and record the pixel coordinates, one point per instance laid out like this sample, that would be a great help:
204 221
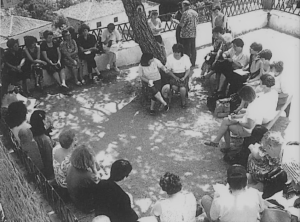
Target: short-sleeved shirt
253 113
13 58
115 36
239 206
178 66
188 23
157 26
50 51
151 72
240 58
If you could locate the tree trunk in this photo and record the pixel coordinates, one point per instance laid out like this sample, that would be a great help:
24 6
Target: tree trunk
141 32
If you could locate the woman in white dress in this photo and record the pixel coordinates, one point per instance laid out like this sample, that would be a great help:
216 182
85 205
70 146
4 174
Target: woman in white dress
179 206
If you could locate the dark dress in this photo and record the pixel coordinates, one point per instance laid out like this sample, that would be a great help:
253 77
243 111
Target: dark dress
52 55
87 43
178 16
13 58
113 202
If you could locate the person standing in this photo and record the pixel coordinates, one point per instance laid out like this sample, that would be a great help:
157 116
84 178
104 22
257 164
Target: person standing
176 19
188 24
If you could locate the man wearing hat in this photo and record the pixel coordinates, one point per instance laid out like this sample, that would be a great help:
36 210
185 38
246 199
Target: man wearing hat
234 202
188 24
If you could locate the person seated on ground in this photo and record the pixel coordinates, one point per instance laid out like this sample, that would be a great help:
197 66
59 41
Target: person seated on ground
280 82
39 125
222 43
267 97
14 61
234 58
51 54
111 40
179 68
62 154
265 158
110 200
87 50
289 197
234 202
33 63
149 73
262 66
69 50
16 118
29 145
240 124
82 177
101 218
178 206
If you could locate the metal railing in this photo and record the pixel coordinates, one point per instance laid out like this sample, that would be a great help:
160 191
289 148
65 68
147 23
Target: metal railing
289 6
39 179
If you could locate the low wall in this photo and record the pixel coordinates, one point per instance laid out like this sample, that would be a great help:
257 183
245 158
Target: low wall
285 22
130 53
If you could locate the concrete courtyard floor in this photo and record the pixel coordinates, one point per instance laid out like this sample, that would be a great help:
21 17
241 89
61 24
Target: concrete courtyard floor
116 126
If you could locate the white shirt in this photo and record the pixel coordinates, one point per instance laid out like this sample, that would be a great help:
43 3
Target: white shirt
268 104
180 207
178 66
157 26
241 58
254 113
239 206
280 84
114 36
151 72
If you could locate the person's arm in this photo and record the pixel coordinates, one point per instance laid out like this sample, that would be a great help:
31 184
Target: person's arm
183 20
156 210
169 70
118 36
28 56
248 123
44 54
187 73
159 25
76 48
59 55
105 37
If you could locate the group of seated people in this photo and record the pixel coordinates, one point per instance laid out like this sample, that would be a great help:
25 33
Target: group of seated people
55 55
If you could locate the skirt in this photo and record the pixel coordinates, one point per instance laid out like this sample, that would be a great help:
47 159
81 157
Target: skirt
179 84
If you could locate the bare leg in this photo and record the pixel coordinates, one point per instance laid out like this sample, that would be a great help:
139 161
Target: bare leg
160 98
25 85
110 59
152 104
63 77
224 129
97 71
75 74
56 77
182 95
218 77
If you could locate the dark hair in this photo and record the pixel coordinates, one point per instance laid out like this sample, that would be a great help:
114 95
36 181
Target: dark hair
47 33
178 48
170 183
120 169
66 138
72 32
247 94
82 28
237 183
112 25
146 57
186 3
238 42
267 80
179 5
82 158
237 177
278 66
36 122
217 8
266 54
218 29
257 47
16 114
11 42
65 32
154 12
29 40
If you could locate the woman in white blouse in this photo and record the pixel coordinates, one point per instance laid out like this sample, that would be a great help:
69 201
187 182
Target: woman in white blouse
149 73
178 65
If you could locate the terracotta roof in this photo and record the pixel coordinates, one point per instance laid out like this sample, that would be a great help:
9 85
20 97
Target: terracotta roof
89 10
14 25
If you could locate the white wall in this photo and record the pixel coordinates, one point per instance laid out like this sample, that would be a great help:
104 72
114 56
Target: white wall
285 22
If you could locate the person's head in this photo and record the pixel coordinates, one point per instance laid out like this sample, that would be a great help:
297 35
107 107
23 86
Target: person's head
247 94
277 67
120 169
170 183
177 50
238 45
12 44
179 6
267 81
48 35
217 32
72 32
38 122
67 138
101 218
237 177
16 114
25 136
146 59
82 158
255 48
227 38
272 143
185 5
84 29
111 27
66 35
154 14
30 42
265 54
216 10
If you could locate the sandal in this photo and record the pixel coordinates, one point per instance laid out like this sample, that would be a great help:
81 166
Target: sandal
210 143
78 83
225 150
152 112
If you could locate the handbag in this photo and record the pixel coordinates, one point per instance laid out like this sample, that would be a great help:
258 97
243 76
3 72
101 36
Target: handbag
222 108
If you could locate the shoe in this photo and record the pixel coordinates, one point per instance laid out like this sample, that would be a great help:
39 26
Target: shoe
78 83
210 143
152 112
64 86
166 107
116 69
82 82
108 66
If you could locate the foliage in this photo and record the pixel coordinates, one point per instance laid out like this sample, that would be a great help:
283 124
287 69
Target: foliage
61 21
64 3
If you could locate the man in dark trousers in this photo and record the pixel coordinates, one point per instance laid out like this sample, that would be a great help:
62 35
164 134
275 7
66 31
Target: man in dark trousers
110 199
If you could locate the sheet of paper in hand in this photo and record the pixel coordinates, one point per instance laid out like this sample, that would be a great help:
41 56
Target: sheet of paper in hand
241 72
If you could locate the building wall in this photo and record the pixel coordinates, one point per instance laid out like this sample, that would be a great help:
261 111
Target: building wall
35 33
